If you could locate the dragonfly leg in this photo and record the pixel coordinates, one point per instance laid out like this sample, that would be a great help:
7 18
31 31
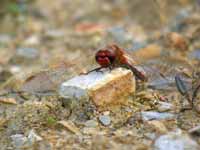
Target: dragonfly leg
96 69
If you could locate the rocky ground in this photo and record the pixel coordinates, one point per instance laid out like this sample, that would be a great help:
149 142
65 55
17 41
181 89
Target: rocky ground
45 43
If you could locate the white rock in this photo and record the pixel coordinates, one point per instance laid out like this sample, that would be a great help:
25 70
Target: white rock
164 106
105 120
175 141
32 40
33 137
102 87
18 140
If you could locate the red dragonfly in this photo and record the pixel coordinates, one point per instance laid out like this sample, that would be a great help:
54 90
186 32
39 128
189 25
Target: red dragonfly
113 56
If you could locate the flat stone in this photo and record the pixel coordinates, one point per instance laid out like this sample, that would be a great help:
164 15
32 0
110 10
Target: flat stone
164 106
104 88
153 115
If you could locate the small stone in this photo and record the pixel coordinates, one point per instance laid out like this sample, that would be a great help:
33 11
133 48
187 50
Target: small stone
90 131
91 123
164 106
106 113
4 38
54 33
175 141
158 126
18 140
152 115
15 69
33 137
195 54
151 136
32 40
105 120
29 53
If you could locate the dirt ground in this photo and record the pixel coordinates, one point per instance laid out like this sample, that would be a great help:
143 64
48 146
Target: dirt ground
46 42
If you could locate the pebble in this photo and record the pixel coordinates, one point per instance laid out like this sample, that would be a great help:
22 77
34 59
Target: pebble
164 106
15 69
90 131
32 40
55 33
153 115
105 120
175 141
151 136
18 140
158 126
33 137
91 123
29 53
4 38
195 54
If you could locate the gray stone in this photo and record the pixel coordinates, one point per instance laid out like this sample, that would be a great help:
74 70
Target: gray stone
18 140
4 38
91 123
29 53
164 106
33 137
105 120
152 115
